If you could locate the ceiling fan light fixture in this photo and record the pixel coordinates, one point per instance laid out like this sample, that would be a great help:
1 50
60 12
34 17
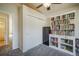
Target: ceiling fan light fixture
47 4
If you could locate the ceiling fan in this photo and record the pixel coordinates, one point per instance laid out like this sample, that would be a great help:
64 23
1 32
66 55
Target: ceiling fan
46 5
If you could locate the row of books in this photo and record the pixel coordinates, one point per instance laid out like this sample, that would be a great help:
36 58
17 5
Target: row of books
64 17
54 41
65 25
77 46
67 41
68 33
58 22
69 16
68 48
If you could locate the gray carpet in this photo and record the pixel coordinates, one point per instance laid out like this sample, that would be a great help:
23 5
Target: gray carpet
40 50
16 52
4 50
43 50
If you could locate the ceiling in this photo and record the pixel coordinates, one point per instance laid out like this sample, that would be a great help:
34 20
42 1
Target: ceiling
54 7
34 5
42 9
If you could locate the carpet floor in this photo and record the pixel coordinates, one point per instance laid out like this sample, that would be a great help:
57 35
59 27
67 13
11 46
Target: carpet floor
40 50
4 50
43 50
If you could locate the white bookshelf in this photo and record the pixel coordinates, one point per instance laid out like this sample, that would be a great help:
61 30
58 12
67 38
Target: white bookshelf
64 32
60 42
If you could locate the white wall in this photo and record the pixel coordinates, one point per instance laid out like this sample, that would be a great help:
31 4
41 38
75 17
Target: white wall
32 28
61 9
11 10
65 8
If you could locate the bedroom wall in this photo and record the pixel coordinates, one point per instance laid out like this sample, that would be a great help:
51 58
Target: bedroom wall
61 9
33 22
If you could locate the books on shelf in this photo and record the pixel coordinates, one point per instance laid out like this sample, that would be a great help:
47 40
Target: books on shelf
66 47
54 41
77 46
67 41
63 25
71 15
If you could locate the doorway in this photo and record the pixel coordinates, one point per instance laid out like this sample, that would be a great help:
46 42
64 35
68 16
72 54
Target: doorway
5 43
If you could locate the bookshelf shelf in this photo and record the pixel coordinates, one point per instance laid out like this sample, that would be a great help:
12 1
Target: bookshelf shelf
65 28
67 44
67 48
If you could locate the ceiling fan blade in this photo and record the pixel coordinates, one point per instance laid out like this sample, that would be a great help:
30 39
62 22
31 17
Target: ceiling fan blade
39 6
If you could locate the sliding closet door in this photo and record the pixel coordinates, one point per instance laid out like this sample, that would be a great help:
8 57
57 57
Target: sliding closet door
32 32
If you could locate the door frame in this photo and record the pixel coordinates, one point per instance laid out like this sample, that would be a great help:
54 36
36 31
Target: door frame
6 36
